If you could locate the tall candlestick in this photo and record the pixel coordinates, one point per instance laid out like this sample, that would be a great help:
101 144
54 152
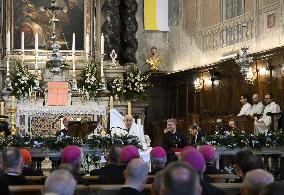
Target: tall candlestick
8 64
87 44
2 108
13 98
23 42
129 108
8 42
36 43
110 102
102 44
73 44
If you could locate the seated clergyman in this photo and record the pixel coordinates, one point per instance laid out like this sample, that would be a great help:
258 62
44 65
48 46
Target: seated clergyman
246 108
130 128
262 125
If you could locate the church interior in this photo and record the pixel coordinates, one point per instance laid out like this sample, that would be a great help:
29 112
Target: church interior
142 97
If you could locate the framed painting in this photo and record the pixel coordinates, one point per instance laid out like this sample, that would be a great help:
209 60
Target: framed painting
31 16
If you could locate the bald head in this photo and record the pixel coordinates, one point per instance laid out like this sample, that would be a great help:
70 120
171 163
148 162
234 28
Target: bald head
137 169
255 180
128 120
255 98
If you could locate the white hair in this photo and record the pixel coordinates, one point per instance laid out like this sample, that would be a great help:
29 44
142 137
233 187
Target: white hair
60 182
257 179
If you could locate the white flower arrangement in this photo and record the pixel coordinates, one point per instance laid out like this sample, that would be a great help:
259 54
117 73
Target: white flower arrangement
133 85
22 80
90 80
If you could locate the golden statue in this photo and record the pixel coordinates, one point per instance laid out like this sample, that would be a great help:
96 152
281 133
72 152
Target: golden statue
154 60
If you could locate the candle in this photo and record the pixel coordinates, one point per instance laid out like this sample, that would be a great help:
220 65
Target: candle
129 108
8 64
73 44
139 121
110 102
23 42
87 44
2 108
102 44
87 95
36 43
13 101
8 42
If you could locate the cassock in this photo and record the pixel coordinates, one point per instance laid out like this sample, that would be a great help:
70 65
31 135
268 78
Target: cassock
174 141
245 110
196 138
262 125
257 109
134 130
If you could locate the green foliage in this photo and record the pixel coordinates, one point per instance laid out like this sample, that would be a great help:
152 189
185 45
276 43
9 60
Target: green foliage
240 139
22 80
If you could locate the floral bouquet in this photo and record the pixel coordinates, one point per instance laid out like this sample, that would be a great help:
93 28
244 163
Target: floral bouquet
22 80
90 80
116 87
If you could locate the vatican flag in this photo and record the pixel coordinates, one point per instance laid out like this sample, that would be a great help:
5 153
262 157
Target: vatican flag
156 15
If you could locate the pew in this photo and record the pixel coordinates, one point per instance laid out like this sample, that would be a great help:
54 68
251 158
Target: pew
80 189
223 178
229 188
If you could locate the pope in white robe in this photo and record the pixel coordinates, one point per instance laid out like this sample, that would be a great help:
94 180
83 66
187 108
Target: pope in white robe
262 125
130 128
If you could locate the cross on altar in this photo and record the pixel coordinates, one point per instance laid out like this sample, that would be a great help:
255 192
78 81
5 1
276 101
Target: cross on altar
57 94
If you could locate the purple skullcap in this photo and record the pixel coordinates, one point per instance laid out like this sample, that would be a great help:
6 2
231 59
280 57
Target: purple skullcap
187 148
128 153
208 152
158 152
70 154
194 158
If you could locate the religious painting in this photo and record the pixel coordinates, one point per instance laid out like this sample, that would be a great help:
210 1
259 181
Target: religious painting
30 17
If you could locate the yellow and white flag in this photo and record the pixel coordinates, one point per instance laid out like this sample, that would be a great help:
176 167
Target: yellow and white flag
156 15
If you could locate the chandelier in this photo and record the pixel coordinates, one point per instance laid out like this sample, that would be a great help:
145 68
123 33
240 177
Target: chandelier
244 60
198 84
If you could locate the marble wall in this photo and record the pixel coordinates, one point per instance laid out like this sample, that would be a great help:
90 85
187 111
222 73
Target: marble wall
181 48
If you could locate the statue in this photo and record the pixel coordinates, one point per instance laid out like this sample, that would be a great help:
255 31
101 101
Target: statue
154 60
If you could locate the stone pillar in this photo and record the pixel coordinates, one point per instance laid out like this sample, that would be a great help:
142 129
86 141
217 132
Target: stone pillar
256 21
128 10
111 27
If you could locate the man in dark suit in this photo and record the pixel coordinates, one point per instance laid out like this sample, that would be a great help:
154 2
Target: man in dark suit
113 162
196 135
12 167
173 140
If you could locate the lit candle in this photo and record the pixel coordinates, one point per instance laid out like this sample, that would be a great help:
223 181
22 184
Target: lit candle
102 44
8 42
23 42
13 101
36 43
2 108
87 44
129 108
110 102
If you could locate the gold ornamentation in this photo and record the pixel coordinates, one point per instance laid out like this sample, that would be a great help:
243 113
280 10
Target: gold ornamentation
13 127
154 60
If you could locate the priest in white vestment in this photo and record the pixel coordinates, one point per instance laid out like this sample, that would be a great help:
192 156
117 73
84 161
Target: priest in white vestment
246 108
257 107
130 128
262 124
